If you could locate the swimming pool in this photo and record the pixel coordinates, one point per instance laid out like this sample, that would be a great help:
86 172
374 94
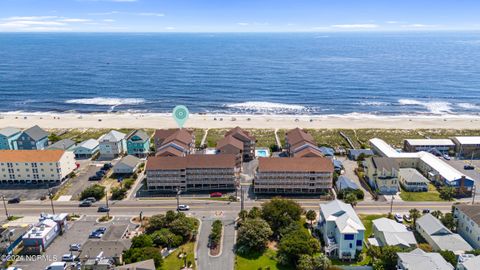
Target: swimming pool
262 152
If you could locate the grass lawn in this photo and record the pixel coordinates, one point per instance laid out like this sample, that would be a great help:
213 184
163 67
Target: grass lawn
172 262
265 137
256 261
432 195
198 136
367 221
214 135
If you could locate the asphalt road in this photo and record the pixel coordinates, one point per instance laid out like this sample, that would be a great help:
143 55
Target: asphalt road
226 259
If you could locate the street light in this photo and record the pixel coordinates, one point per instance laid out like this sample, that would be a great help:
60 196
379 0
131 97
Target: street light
50 196
5 206
179 191
141 218
391 205
106 200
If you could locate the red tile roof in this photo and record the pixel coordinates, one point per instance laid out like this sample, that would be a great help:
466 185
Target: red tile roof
31 155
230 140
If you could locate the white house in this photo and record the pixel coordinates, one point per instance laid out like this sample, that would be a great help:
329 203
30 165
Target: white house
468 223
468 262
440 237
341 229
421 260
127 165
86 149
112 144
388 232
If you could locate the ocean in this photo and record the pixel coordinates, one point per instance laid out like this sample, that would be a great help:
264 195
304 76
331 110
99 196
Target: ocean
421 73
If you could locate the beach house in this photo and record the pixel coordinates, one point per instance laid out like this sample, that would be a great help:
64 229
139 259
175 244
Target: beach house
344 183
248 141
301 144
8 137
35 166
138 143
420 260
432 167
293 175
444 146
440 237
467 217
127 165
192 173
33 138
112 144
342 231
382 174
86 149
174 142
65 144
388 232
412 180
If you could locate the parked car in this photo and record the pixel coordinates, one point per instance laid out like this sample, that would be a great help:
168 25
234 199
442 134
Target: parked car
69 257
91 199
446 157
468 167
95 235
107 166
75 247
57 266
407 218
14 200
216 195
85 204
100 173
183 207
101 229
398 218
94 178
426 211
103 209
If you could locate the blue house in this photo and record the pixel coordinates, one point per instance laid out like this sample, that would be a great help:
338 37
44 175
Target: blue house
138 144
8 136
33 138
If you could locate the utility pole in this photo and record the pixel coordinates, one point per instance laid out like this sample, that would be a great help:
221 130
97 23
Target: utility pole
141 218
50 196
474 192
5 206
178 197
106 200
391 205
241 199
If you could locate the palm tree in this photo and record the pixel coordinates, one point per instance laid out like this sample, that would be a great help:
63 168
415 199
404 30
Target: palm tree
311 216
437 213
350 198
414 215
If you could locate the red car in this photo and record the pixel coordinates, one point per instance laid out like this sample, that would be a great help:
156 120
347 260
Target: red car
215 195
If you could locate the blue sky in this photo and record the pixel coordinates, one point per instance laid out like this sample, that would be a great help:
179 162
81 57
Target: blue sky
237 15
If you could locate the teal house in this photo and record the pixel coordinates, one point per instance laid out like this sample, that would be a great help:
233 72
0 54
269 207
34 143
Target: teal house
8 136
138 144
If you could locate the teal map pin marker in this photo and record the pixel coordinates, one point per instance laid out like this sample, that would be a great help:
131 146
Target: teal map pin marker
180 114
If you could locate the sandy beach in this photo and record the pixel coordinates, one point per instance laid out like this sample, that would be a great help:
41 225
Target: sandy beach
124 120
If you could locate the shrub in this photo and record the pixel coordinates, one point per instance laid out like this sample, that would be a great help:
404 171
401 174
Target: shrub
216 233
97 191
118 193
141 254
128 183
165 238
141 241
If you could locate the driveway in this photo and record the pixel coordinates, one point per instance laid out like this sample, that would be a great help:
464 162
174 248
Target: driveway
349 168
226 259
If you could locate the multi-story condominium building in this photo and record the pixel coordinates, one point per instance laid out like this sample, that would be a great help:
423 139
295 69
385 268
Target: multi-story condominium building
432 167
138 143
440 237
86 149
444 146
411 180
248 140
174 142
293 175
301 144
231 145
342 231
112 144
8 137
192 173
35 166
420 260
467 147
33 138
382 173
468 223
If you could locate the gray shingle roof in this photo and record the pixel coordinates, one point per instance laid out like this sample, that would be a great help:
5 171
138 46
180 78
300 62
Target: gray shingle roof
88 144
129 160
412 175
36 133
421 260
113 136
9 131
345 217
62 144
385 163
472 211
140 133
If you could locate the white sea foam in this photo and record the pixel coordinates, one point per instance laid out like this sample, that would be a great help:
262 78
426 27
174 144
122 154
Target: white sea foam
435 107
469 106
373 103
270 107
106 101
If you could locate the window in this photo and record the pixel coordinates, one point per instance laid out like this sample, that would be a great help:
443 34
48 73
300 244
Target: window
359 243
348 237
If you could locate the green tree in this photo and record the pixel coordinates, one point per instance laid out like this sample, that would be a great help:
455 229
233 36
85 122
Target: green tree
438 214
216 233
280 213
183 226
243 214
118 193
255 212
449 256
253 235
311 215
449 221
156 222
97 191
414 215
351 199
141 241
53 138
384 257
316 262
165 238
295 244
447 193
133 255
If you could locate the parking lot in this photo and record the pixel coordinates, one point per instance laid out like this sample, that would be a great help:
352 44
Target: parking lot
77 232
474 174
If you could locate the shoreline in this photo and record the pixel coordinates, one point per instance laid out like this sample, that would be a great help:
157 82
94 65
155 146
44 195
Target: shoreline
164 120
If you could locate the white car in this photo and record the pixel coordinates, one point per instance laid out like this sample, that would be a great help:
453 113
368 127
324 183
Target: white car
398 218
183 207
68 257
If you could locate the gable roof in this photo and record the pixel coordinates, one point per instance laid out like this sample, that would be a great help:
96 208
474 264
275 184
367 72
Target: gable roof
296 135
343 215
110 248
385 163
412 175
295 164
36 133
62 144
130 161
9 131
143 265
471 211
112 136
308 152
421 260
170 150
240 134
344 182
432 225
31 155
394 233
230 140
472 263
88 144
139 133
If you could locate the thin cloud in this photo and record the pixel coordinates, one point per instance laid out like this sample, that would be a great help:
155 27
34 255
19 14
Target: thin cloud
74 20
243 23
150 14
419 25
170 28
104 13
109 20
29 18
356 26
